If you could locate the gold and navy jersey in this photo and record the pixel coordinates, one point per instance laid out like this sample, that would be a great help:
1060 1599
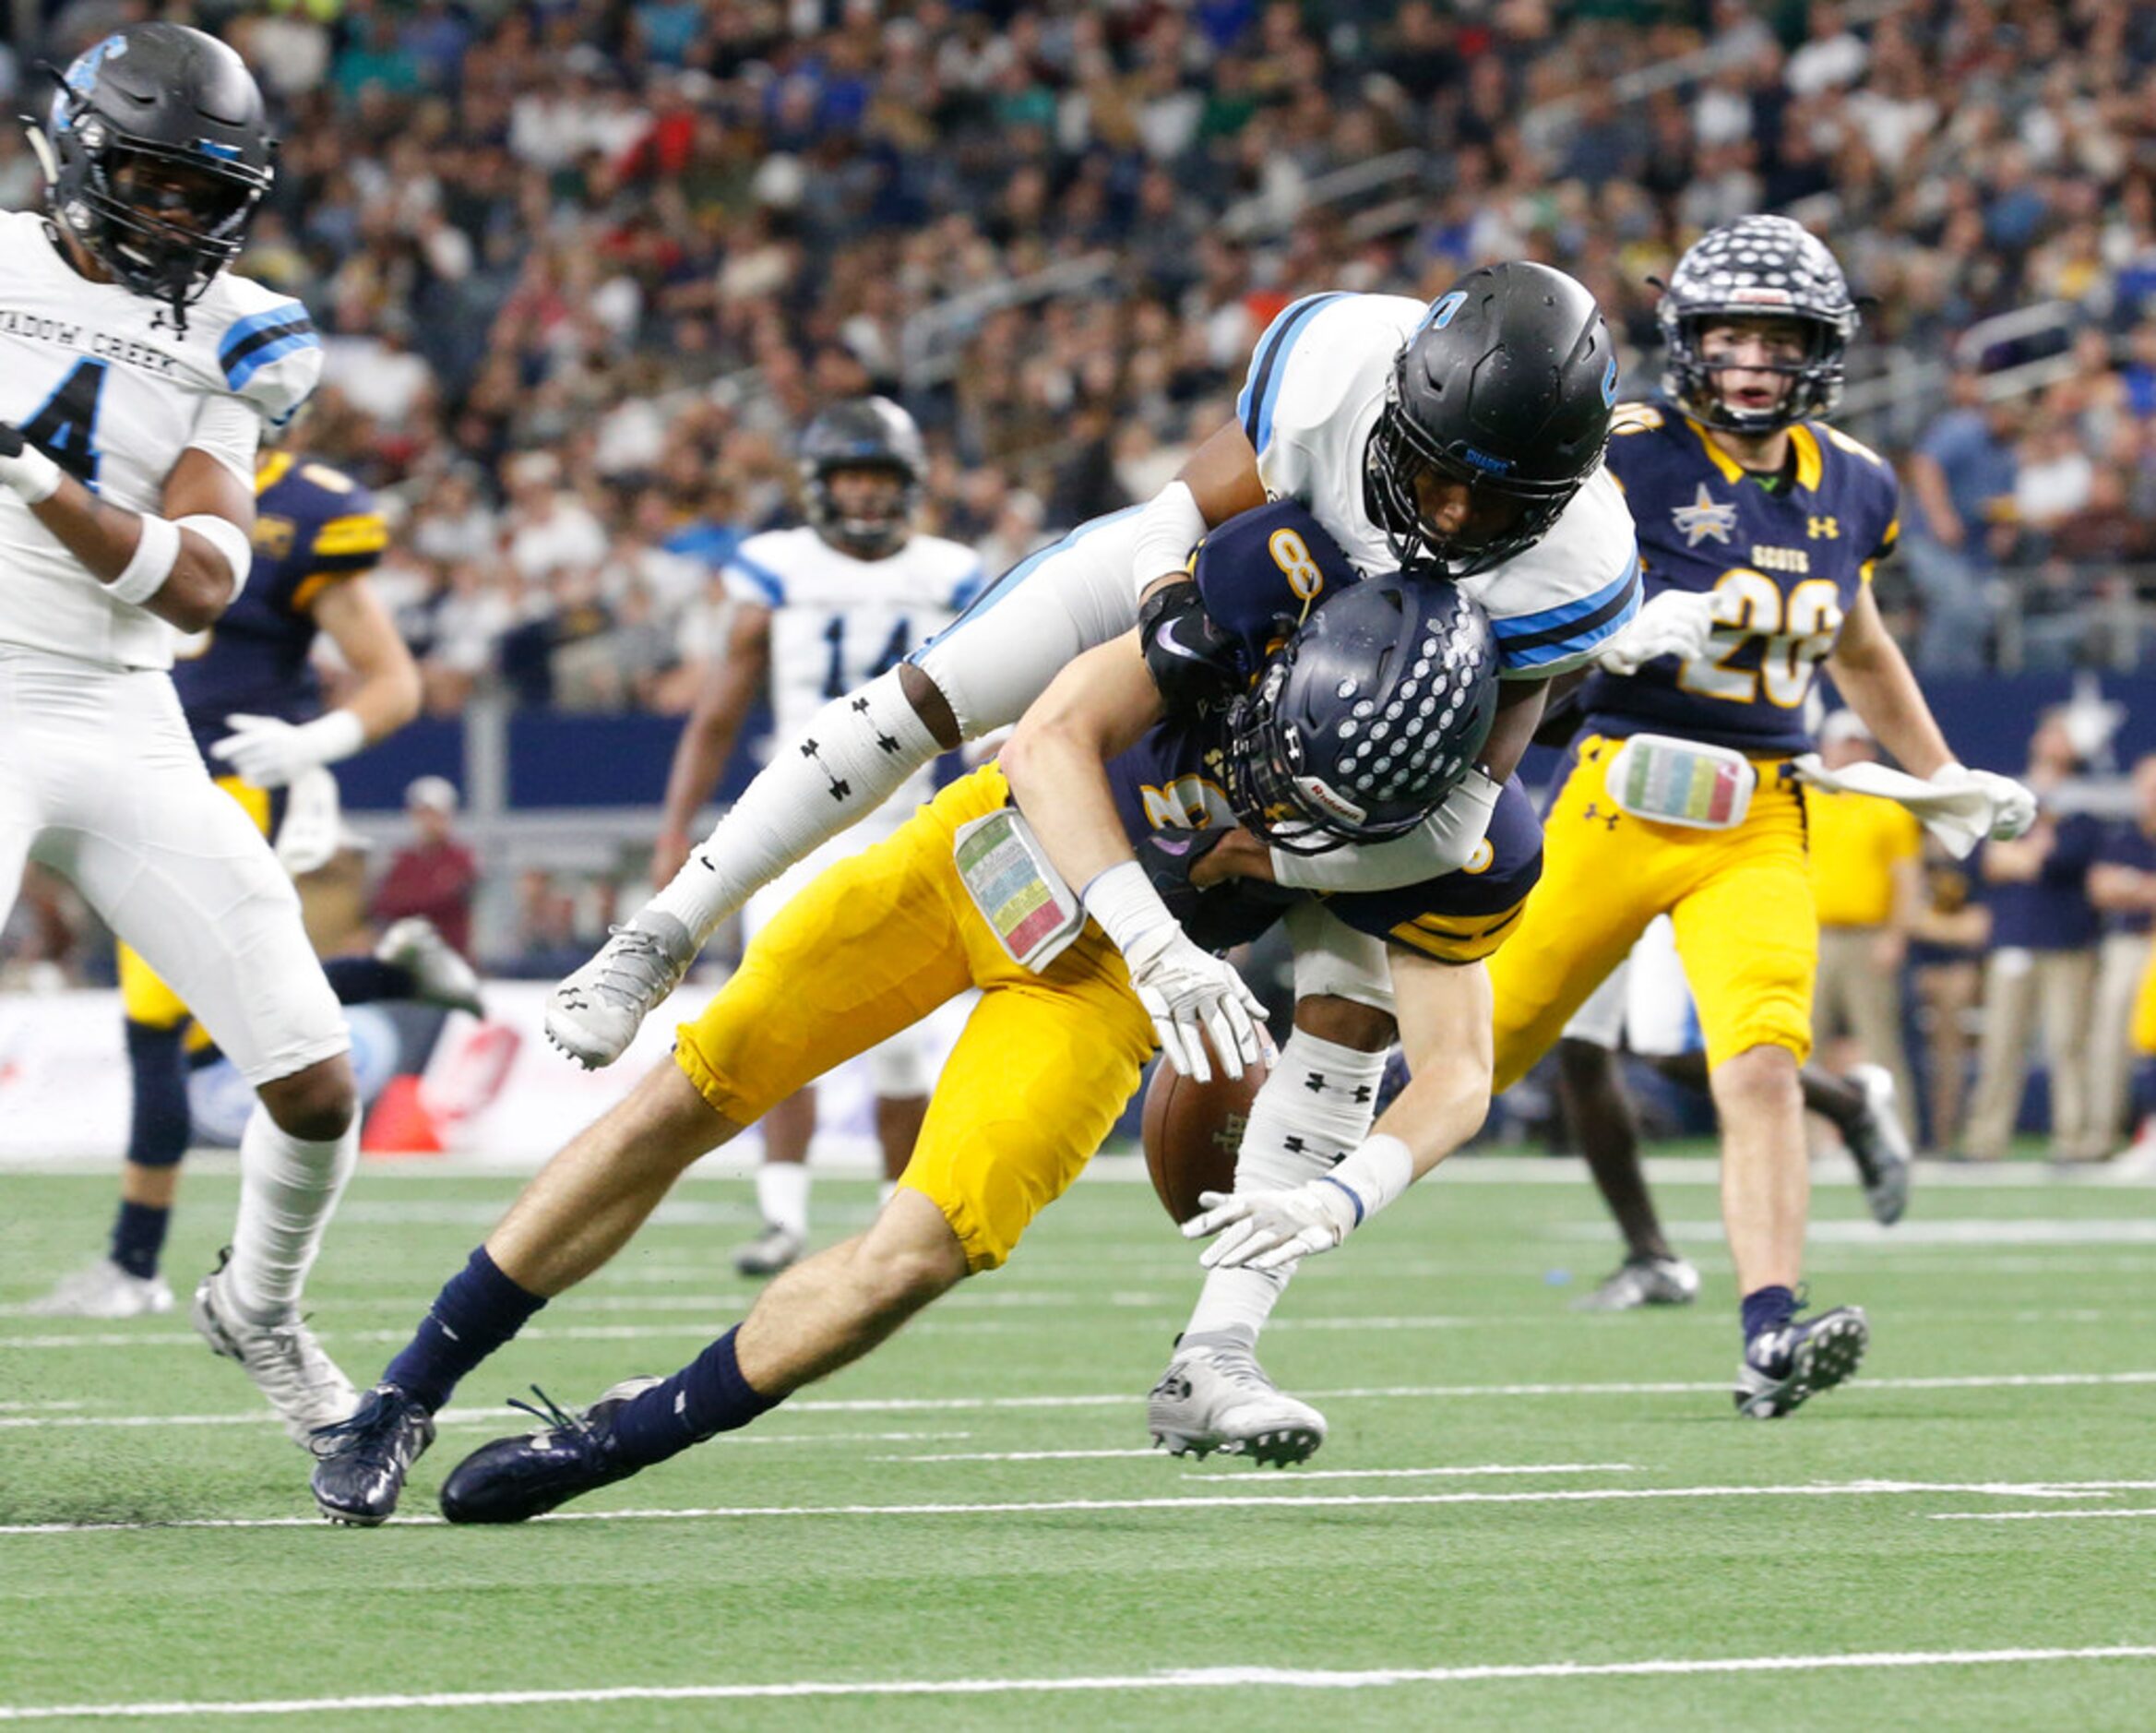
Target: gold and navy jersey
1795 552
1259 574
314 527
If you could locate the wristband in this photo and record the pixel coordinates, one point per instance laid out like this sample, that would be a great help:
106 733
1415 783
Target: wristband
333 737
34 477
233 543
157 550
1124 901
1373 1174
1170 526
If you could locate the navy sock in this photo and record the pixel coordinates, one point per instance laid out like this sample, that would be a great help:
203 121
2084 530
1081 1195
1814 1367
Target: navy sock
707 1397
159 1124
477 1310
1768 1309
138 1235
367 980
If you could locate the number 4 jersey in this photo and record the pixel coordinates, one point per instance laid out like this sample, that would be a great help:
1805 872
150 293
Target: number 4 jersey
103 382
1793 552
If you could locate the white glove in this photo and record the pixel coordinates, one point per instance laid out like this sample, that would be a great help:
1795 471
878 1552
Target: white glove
1272 1230
1186 990
269 753
1677 623
2013 807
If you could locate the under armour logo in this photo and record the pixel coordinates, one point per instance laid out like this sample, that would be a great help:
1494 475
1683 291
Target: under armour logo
157 321
1294 1145
1823 529
1364 1094
1609 818
1315 1082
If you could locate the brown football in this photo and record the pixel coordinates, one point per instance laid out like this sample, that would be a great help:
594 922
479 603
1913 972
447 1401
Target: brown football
1191 1132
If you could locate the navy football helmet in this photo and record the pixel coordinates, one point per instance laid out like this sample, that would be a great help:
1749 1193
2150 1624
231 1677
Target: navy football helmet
1757 267
1364 720
157 152
863 433
1506 387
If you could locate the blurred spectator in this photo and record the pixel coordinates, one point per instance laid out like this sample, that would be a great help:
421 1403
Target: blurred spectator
1947 940
1962 483
2041 966
434 875
2122 884
1864 879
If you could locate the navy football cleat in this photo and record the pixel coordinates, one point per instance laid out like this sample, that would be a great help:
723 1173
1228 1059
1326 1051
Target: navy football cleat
513 1479
364 1459
1782 1368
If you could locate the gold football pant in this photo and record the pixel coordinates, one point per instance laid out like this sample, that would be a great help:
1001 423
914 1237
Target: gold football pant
1740 899
877 942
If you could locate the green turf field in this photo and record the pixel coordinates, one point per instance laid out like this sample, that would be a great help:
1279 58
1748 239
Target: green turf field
1524 1518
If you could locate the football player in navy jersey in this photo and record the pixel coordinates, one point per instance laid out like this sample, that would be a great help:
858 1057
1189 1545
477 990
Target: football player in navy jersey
251 699
1759 526
1359 723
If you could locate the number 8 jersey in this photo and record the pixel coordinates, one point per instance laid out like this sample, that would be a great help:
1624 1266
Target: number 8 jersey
99 379
1792 551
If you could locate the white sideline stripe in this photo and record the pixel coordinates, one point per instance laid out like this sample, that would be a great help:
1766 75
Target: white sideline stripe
2024 1516
2037 1230
1421 1473
1185 1678
1408 1392
1243 1500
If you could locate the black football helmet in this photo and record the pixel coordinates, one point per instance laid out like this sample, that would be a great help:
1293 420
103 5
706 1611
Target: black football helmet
1757 267
863 433
1363 721
157 151
1507 386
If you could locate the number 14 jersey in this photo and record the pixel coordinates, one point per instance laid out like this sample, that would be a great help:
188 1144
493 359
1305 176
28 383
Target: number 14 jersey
1794 558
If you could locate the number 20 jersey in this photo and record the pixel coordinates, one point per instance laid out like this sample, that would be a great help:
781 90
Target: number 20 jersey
1795 560
103 382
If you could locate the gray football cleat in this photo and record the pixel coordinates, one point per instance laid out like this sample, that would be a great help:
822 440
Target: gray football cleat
101 1290
443 978
287 1364
594 1014
1878 1144
1782 1368
1643 1281
770 1251
1220 1399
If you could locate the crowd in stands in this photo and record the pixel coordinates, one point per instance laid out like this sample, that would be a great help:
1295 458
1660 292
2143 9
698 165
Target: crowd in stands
584 268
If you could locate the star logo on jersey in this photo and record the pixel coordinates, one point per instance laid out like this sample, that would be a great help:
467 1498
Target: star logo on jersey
1705 519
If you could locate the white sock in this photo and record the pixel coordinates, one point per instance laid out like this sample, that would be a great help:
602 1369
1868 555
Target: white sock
288 1188
848 761
1317 1105
783 1195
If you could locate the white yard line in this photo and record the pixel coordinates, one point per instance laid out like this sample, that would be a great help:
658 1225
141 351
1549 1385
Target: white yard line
2026 1516
1118 1399
1241 1680
1287 1498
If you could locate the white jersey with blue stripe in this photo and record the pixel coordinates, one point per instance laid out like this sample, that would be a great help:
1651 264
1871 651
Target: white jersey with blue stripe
838 622
1309 404
102 380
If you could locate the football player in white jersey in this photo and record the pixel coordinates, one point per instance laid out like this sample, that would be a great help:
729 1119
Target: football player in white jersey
136 374
1466 433
820 611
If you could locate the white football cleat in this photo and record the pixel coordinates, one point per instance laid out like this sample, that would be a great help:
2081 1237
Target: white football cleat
1220 1399
1878 1144
594 1014
770 1251
1643 1281
102 1290
443 978
287 1364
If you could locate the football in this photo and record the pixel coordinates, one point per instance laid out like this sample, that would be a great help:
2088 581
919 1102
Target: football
1192 1131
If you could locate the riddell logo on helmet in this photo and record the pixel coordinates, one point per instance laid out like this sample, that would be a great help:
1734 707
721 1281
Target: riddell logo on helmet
1483 460
1327 801
1760 296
